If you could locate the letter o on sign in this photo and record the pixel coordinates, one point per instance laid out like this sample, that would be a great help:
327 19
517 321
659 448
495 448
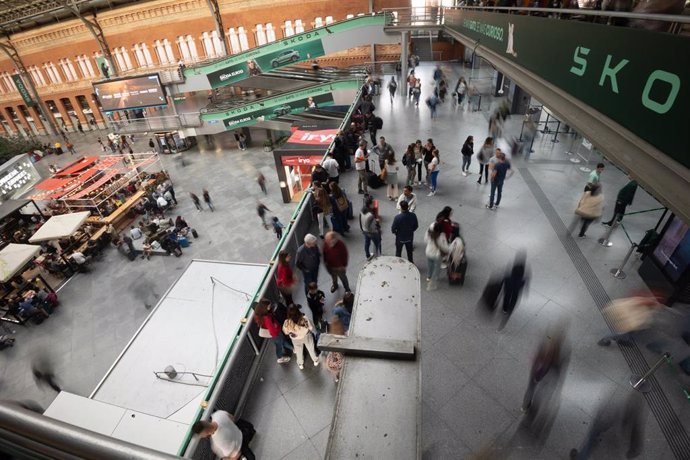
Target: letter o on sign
671 79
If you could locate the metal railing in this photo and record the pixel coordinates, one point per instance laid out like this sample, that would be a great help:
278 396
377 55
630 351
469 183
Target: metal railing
153 123
431 16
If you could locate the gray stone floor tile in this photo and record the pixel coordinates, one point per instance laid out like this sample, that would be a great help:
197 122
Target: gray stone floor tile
320 441
307 399
280 433
439 441
305 451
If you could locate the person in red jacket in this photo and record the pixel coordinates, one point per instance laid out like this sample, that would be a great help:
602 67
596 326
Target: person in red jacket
335 258
269 324
285 278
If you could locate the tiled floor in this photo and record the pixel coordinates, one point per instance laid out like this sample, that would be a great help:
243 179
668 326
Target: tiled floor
473 376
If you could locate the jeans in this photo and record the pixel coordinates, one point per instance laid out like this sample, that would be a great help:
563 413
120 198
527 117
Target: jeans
410 176
466 160
282 343
433 267
495 187
339 272
426 172
362 180
585 225
309 277
408 248
483 169
372 238
434 180
210 205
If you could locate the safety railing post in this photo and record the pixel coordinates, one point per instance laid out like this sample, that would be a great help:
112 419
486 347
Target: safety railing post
640 383
618 273
605 240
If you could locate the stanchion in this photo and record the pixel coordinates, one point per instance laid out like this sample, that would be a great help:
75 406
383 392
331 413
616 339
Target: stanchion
605 240
640 383
618 272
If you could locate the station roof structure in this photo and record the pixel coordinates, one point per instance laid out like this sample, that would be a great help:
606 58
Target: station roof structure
20 15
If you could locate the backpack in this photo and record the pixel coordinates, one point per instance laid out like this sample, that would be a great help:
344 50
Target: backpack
378 122
342 204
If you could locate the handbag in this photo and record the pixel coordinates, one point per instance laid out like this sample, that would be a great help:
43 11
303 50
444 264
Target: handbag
264 333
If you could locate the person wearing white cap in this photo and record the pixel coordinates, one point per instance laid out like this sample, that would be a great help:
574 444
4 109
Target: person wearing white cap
308 260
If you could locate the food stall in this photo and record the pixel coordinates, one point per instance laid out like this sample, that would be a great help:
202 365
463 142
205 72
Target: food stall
17 219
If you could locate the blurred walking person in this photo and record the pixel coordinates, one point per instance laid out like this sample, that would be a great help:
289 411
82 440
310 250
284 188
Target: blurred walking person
285 277
623 200
261 211
207 199
195 200
590 207
550 357
628 316
261 180
513 284
392 88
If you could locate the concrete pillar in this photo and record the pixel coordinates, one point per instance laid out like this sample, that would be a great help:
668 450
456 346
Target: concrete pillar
10 121
65 116
25 123
80 115
100 121
40 126
404 56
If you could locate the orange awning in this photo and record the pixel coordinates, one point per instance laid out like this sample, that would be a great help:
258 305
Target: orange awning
53 183
76 166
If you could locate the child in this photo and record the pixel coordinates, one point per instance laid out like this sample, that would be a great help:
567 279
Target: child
315 299
277 227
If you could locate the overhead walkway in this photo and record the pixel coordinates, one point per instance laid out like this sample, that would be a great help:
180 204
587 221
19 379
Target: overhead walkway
302 47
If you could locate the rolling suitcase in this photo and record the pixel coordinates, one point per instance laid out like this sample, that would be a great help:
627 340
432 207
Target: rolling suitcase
457 271
194 233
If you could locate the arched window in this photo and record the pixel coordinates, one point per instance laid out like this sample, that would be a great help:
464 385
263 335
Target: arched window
260 35
234 41
318 22
139 55
217 44
191 44
168 51
209 51
270 33
184 49
289 31
299 27
329 20
244 43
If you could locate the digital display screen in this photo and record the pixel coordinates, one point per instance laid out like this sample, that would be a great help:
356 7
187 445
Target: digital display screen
130 93
673 251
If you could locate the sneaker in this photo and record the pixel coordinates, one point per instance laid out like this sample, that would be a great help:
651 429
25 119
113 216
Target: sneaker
464 173
316 363
301 367
604 342
606 224
431 194
283 360
490 208
479 182
370 257
334 288
361 192
337 380
581 236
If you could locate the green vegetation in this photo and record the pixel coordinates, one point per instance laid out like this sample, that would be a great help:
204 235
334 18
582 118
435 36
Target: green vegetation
16 145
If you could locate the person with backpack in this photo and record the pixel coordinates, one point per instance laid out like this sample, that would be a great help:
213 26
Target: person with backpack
432 103
392 87
341 207
436 249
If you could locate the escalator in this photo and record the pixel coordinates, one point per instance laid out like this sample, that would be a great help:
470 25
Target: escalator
302 47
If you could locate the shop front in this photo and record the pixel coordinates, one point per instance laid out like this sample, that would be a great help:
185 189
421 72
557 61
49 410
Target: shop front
295 160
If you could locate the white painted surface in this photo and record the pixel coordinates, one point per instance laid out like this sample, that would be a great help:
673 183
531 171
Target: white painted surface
85 413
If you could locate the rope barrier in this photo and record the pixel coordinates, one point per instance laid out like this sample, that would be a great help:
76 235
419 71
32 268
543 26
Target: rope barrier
626 233
674 370
641 212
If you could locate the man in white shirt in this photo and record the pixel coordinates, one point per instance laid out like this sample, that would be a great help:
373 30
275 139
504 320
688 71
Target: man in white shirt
331 167
226 438
361 157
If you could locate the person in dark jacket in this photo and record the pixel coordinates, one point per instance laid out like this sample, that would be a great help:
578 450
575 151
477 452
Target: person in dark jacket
404 226
335 257
623 200
308 260
467 152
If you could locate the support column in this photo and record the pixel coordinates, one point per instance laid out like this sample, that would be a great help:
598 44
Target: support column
10 121
404 57
100 121
25 123
65 117
218 20
80 115
40 126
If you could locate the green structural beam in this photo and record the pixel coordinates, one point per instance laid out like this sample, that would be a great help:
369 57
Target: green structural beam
301 47
283 104
637 78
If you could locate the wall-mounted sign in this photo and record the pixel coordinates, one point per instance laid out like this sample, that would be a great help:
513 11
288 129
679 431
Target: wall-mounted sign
294 160
23 90
16 177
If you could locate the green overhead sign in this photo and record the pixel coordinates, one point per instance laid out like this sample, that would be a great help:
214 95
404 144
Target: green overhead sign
638 78
283 104
23 90
300 47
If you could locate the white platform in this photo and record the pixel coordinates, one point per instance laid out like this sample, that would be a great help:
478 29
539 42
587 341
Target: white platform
191 328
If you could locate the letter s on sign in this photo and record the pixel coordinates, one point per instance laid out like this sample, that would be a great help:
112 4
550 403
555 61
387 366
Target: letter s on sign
578 58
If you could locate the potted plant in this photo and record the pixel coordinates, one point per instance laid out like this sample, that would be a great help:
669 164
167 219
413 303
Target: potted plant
268 145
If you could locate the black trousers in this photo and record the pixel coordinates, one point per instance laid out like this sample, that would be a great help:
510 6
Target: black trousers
408 249
619 210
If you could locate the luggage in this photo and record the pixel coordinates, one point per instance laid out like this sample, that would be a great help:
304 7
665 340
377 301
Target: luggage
184 242
373 180
194 233
350 211
177 252
457 271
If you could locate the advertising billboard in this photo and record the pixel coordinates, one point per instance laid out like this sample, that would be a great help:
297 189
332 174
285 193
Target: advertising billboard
130 93
673 251
275 111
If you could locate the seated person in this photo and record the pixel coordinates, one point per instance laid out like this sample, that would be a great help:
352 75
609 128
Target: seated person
28 310
135 233
78 258
180 223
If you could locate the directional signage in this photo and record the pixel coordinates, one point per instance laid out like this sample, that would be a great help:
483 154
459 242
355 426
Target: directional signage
636 77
